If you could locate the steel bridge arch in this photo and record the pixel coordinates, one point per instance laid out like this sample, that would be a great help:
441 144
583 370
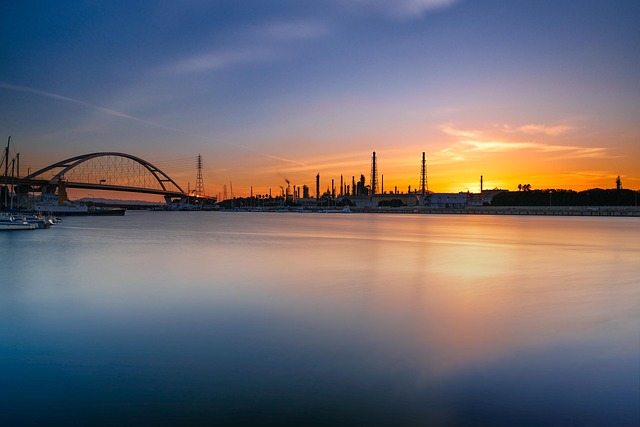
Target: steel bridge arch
72 162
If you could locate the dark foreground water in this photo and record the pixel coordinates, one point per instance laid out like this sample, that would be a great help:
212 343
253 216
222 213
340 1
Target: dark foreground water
211 318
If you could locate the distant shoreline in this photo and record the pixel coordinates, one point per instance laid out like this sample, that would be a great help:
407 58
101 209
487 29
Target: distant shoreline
615 211
623 211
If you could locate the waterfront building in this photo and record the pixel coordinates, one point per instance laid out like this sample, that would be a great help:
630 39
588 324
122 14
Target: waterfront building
446 200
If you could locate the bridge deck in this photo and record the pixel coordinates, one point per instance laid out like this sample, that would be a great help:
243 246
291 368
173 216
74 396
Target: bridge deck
89 186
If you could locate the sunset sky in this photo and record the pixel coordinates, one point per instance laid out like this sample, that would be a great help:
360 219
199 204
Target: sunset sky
539 92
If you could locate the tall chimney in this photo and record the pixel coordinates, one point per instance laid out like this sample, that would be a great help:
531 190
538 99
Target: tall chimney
374 174
423 174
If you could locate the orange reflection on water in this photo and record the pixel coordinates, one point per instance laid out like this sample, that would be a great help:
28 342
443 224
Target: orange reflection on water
439 293
459 291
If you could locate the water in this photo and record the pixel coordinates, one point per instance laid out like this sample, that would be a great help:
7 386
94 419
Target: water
213 318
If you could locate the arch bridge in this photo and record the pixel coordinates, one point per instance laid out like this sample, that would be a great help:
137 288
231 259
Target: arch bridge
103 171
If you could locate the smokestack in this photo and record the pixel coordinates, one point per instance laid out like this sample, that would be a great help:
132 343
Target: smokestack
481 184
374 174
423 175
318 187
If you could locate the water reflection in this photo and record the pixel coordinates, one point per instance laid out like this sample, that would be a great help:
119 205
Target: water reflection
201 318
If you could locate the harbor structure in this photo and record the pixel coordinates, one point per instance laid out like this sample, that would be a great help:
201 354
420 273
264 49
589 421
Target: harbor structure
446 200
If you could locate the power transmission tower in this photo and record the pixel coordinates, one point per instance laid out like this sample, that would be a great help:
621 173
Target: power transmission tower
199 191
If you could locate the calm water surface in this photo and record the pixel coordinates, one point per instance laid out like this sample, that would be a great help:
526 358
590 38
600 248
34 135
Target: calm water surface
213 318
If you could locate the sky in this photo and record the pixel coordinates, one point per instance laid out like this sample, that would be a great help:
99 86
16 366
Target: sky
539 92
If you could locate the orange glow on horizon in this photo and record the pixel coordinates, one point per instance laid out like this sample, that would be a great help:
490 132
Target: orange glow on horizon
556 156
563 155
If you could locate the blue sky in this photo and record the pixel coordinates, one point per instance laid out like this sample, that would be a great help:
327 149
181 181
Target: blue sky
540 91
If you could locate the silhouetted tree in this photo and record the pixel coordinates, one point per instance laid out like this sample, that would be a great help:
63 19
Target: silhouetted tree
593 197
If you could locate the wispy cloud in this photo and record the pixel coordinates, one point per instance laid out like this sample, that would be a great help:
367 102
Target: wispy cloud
295 30
473 141
595 153
497 146
446 156
403 9
210 61
450 130
539 129
505 146
109 111
274 157
528 129
328 164
415 8
260 44
115 113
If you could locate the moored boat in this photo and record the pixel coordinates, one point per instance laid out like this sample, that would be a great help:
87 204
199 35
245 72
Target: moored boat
51 204
10 223
39 220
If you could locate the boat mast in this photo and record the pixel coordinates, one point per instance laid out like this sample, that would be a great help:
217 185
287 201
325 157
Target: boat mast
6 171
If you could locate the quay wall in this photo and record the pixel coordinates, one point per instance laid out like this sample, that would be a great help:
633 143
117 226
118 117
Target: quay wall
621 211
